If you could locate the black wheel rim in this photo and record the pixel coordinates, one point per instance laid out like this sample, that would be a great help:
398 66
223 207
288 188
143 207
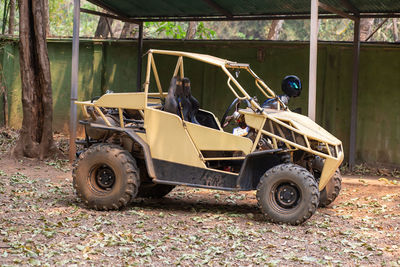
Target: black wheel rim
285 196
105 177
102 178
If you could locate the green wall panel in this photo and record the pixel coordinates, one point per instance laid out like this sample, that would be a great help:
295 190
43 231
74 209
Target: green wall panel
112 65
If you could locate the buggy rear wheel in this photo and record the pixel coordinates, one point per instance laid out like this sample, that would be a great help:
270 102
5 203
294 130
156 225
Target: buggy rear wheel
106 177
288 193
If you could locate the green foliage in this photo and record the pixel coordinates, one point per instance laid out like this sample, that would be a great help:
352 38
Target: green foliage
298 30
60 13
165 29
295 30
61 18
292 30
250 30
385 33
336 29
175 30
203 32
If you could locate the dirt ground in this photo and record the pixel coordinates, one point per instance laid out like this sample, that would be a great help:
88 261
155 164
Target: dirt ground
43 223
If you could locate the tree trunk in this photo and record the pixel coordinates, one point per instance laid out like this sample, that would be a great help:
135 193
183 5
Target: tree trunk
46 16
12 18
104 28
275 30
36 135
365 28
5 16
191 30
127 31
3 93
395 31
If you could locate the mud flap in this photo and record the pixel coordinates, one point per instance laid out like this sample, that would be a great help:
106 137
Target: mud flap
328 171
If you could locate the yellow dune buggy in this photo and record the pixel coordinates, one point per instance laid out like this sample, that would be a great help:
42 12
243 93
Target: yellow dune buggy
143 144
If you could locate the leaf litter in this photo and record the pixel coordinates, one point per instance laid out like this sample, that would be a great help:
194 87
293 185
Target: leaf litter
42 223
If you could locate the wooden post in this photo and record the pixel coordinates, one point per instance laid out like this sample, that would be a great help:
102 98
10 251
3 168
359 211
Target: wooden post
74 81
354 94
312 78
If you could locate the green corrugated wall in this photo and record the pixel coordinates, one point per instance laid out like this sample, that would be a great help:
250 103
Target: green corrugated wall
111 65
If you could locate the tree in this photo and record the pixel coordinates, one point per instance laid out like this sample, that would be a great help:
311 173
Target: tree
129 31
275 29
365 28
36 135
395 31
12 17
46 15
3 95
104 28
191 30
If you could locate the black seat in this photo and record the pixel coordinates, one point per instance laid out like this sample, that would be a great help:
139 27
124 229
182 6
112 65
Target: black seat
180 101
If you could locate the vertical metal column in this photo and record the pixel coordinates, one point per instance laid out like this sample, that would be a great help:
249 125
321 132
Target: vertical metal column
74 80
139 60
312 78
354 93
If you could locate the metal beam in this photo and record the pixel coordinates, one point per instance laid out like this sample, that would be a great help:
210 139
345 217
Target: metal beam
217 7
377 28
138 20
312 78
354 95
74 81
266 17
92 12
139 60
336 11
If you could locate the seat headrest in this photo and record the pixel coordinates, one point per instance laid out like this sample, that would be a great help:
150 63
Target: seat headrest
186 87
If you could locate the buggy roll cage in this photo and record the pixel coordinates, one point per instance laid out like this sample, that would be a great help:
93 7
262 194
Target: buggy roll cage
223 64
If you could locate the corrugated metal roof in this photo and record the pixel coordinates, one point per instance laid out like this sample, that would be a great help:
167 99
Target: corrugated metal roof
174 9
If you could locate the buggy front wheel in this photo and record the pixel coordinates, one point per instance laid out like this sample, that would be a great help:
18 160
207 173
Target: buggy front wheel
288 193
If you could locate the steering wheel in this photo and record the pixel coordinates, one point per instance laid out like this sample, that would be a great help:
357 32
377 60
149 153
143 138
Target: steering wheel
236 103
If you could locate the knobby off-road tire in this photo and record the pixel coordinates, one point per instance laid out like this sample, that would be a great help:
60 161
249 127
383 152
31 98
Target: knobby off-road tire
106 177
331 190
287 193
152 190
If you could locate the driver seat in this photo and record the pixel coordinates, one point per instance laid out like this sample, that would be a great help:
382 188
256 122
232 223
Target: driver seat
180 101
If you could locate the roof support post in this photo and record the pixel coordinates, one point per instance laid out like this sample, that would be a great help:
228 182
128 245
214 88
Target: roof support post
74 80
139 59
312 78
354 93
